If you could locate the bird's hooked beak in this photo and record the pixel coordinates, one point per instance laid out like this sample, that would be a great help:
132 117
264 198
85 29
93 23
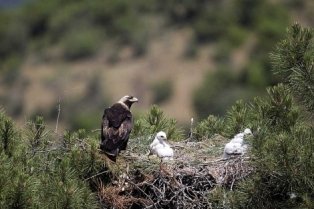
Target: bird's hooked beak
133 99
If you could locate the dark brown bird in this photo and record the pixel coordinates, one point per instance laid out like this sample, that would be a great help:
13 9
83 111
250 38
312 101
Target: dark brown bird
117 123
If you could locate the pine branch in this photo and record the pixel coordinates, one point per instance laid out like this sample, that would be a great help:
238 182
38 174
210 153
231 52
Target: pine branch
293 61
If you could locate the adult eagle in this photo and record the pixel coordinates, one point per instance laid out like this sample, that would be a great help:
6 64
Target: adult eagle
116 126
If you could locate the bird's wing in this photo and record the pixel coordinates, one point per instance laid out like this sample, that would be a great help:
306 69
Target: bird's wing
116 115
154 143
115 138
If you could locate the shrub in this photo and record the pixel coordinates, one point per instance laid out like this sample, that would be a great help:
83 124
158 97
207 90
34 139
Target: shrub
8 136
155 121
237 118
36 171
218 92
162 91
87 120
210 25
223 52
208 127
256 75
81 44
70 16
283 170
283 141
293 62
236 35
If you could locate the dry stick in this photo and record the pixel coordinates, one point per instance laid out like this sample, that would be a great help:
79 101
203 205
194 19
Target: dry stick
98 174
191 128
153 204
59 110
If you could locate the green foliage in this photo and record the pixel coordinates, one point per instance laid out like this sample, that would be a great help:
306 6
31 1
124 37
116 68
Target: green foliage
68 18
236 35
222 53
42 172
65 190
16 187
277 111
206 96
208 127
8 136
284 167
283 142
222 198
11 70
80 44
282 147
93 102
155 121
88 120
162 91
237 118
293 61
256 75
210 25
270 20
218 92
37 134
13 37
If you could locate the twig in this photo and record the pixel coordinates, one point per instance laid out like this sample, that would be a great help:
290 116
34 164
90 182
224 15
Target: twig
98 174
59 110
95 130
191 128
154 204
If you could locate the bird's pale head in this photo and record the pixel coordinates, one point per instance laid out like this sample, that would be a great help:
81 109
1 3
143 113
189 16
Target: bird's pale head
247 131
161 136
128 100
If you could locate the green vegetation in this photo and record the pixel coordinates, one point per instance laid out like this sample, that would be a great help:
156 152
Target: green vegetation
282 147
79 29
219 91
208 127
80 44
162 91
154 121
293 62
40 24
39 169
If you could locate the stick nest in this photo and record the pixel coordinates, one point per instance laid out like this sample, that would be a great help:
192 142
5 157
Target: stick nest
185 182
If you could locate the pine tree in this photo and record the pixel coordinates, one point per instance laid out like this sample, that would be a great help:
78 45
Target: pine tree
293 62
284 142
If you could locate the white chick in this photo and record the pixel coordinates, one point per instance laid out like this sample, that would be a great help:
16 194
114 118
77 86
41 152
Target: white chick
160 148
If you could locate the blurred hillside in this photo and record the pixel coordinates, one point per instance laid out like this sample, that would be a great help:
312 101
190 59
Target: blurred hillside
192 57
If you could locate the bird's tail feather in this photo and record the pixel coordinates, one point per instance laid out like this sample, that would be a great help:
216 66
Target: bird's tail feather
111 157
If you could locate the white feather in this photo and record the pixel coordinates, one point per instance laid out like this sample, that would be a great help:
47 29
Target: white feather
233 148
247 131
238 138
160 148
236 145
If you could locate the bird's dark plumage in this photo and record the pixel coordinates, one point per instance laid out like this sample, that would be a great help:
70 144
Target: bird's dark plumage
117 123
